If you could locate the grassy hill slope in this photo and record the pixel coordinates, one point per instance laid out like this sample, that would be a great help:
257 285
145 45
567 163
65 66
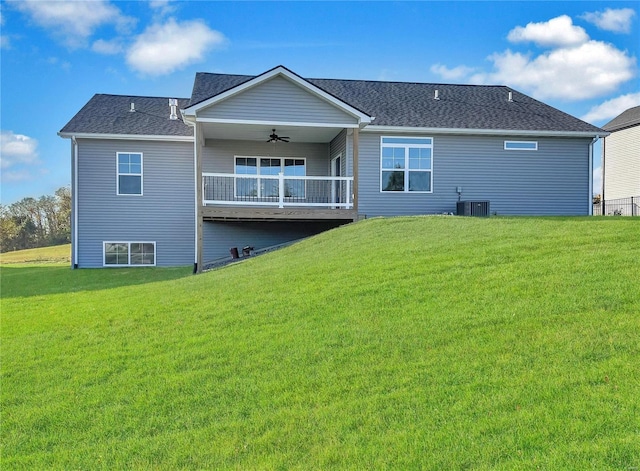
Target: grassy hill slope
408 343
54 254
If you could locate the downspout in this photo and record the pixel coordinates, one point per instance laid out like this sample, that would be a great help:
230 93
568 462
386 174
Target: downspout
595 139
604 153
195 197
74 196
188 122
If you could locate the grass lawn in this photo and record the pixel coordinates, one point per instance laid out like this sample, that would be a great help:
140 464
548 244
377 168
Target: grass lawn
407 343
55 254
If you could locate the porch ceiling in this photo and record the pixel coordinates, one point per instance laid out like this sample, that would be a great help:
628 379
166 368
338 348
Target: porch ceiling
260 132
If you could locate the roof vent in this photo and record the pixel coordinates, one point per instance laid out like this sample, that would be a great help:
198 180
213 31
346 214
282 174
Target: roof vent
436 95
132 109
510 97
173 104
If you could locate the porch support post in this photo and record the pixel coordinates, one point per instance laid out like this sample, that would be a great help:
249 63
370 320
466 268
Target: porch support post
356 145
198 143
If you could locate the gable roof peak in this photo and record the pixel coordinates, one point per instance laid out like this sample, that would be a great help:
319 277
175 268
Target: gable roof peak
248 82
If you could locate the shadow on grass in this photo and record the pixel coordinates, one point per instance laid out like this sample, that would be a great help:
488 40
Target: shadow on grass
25 281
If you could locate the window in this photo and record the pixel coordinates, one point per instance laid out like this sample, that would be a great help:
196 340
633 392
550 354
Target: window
406 164
520 145
129 173
268 187
126 254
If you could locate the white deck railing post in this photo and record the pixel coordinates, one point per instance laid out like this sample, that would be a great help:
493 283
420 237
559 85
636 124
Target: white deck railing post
281 190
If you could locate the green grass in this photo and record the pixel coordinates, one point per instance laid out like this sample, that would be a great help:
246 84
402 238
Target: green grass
409 343
54 254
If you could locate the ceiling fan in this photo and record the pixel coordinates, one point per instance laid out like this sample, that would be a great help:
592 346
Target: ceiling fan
275 138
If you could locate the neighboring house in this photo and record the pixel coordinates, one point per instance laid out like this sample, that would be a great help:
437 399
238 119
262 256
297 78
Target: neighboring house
159 181
621 156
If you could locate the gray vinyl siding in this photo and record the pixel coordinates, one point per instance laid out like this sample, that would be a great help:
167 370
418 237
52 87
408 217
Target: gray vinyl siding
219 237
622 164
164 214
276 100
218 156
554 180
338 146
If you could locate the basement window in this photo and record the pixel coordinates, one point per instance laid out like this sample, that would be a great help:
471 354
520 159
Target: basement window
520 145
129 254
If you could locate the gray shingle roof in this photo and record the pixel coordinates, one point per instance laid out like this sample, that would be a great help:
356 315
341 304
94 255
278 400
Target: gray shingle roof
109 114
626 119
413 105
391 103
207 85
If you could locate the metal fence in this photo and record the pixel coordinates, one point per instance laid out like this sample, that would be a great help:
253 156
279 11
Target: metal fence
620 207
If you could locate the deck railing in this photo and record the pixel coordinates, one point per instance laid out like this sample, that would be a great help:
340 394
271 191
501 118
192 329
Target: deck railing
277 190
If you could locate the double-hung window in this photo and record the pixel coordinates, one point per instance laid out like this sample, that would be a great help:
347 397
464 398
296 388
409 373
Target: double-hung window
129 173
126 254
406 164
263 180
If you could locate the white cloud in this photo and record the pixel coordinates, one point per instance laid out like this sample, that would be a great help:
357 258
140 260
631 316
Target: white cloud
163 48
611 108
102 46
162 7
597 180
456 73
74 21
558 31
17 149
573 67
616 20
16 175
5 43
572 73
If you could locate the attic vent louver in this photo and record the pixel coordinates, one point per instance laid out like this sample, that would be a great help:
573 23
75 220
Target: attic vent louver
173 104
132 109
436 95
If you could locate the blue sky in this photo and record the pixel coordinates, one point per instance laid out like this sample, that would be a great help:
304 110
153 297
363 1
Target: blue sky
581 57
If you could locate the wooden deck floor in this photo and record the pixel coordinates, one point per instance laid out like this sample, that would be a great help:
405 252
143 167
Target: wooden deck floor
235 213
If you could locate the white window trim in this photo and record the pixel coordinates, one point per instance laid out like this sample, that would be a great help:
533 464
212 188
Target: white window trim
141 174
104 253
406 170
258 175
506 143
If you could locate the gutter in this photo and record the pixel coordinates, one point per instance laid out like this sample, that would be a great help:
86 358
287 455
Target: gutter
484 132
126 137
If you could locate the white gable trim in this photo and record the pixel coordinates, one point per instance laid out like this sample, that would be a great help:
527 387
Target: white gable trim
281 71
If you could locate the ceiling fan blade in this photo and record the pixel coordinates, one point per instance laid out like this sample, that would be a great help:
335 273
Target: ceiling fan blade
284 140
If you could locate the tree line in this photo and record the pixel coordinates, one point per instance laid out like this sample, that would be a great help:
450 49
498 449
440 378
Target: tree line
36 222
